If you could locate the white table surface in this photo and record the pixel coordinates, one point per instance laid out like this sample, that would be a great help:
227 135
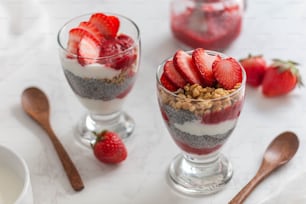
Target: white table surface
275 29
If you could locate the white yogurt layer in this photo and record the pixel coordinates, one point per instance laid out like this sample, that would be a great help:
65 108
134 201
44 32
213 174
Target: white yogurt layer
198 128
95 70
100 106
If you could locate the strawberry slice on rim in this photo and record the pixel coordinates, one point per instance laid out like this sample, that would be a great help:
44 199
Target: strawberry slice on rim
173 75
203 62
107 25
228 72
185 66
91 28
75 36
88 50
167 83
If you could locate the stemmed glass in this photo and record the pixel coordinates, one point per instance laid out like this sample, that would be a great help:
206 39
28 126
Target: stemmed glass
101 89
200 127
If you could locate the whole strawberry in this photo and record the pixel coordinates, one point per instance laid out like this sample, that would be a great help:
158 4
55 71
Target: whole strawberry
280 78
255 68
109 148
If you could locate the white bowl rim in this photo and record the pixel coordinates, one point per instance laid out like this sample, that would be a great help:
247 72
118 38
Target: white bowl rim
26 184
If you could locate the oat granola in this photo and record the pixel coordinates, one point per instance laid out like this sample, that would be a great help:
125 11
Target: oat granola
200 100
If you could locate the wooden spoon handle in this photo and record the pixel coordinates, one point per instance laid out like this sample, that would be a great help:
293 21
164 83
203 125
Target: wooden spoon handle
246 190
70 169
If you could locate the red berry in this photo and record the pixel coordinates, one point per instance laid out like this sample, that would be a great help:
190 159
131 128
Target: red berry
114 55
281 78
255 68
125 60
91 28
88 50
125 41
227 72
173 75
107 25
203 62
75 36
185 66
167 83
109 148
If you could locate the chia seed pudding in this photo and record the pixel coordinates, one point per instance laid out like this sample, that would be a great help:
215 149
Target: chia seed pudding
101 89
100 60
200 126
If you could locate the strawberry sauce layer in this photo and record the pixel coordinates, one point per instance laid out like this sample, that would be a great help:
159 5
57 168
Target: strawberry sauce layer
207 27
191 150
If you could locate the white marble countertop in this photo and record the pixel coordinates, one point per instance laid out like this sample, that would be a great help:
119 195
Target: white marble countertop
28 57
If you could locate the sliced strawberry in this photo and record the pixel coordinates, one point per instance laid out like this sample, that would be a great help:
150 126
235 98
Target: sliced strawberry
91 28
167 83
203 62
185 66
88 50
227 72
107 25
115 22
75 36
173 75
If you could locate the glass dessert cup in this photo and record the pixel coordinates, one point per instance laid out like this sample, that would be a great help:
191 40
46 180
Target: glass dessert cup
199 127
100 88
211 24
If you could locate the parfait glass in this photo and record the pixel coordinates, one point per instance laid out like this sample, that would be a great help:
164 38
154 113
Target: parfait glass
200 127
101 88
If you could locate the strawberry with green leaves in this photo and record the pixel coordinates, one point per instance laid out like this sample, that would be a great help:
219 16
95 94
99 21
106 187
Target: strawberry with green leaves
109 148
281 77
255 68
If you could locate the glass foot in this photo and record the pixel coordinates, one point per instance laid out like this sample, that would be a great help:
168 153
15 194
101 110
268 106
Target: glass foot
193 177
120 122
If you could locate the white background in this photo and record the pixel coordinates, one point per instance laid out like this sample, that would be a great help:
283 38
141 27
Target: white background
28 57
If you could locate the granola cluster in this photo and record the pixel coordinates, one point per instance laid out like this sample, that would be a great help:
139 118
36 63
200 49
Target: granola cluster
119 79
200 100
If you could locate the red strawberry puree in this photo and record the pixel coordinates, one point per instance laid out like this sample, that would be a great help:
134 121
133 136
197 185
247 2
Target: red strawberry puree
212 25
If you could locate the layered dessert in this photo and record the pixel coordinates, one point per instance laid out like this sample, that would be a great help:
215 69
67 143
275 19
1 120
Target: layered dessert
200 96
100 63
213 24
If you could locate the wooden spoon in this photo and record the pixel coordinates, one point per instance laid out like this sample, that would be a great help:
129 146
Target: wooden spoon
35 104
278 153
